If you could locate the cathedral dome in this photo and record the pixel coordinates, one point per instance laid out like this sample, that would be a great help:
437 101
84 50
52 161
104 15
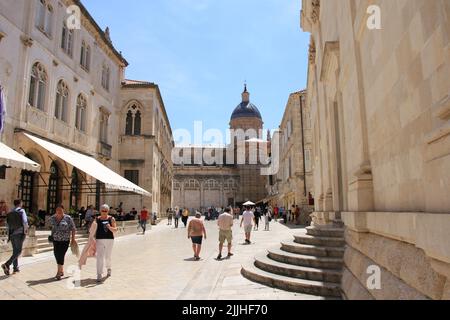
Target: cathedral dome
246 109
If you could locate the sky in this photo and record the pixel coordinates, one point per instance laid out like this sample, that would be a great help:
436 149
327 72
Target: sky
200 53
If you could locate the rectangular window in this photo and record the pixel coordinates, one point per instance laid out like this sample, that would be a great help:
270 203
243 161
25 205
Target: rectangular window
308 160
41 96
132 176
289 129
40 17
32 94
2 172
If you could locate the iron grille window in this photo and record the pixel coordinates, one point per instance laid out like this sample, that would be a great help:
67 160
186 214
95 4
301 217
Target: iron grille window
26 189
133 176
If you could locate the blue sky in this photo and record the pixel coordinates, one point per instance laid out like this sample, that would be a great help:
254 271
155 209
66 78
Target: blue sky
200 52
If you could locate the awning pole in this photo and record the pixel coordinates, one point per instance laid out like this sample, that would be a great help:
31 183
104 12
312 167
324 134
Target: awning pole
64 176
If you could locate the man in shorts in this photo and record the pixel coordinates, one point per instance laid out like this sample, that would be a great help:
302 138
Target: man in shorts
196 232
247 220
225 223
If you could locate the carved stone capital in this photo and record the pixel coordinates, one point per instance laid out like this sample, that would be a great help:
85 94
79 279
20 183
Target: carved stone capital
315 12
27 41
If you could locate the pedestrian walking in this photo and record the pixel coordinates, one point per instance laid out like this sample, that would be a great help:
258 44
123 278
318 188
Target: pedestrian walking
283 214
275 212
196 232
247 221
169 216
297 215
177 217
105 227
257 218
82 215
185 217
267 219
225 223
62 236
143 218
17 223
89 217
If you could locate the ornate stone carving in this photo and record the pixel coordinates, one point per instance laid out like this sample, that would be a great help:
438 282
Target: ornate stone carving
27 41
315 12
312 52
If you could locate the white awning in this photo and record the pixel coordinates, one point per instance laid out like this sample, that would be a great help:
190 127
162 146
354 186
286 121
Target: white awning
91 167
11 158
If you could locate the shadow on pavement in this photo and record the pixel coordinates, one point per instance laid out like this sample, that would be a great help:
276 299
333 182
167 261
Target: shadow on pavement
4 278
33 283
88 283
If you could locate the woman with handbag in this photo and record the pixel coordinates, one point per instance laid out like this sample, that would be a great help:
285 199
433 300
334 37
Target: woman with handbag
63 231
105 227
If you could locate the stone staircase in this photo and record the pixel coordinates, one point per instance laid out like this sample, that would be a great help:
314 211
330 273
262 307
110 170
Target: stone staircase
311 263
44 246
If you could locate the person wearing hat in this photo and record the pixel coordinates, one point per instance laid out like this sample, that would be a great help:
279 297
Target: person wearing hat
105 227
196 232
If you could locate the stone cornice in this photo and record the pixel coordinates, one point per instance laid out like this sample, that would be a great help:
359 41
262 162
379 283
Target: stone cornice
98 33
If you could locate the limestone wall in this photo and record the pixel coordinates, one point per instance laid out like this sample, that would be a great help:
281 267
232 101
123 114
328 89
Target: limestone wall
381 114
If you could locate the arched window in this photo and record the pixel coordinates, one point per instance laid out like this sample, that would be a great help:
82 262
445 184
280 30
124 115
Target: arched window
85 57
62 101
74 189
80 121
129 124
133 122
67 39
38 86
53 193
104 123
44 17
137 123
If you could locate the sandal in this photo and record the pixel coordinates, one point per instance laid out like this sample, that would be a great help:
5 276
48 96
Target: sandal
59 276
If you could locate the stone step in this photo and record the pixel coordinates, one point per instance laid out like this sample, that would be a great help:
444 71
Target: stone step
45 236
49 247
312 250
319 241
43 240
323 289
325 232
305 260
263 262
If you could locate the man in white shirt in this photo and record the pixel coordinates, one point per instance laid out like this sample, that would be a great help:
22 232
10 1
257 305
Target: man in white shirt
247 220
225 223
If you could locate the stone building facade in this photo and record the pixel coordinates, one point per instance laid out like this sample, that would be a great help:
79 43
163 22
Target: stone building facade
234 174
68 87
380 111
293 185
145 145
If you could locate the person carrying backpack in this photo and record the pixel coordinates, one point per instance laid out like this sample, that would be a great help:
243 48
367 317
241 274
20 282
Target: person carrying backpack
17 229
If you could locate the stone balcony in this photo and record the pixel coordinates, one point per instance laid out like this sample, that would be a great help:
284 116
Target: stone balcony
37 118
104 150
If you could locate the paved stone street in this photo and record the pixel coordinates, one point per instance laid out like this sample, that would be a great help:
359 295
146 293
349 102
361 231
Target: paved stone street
157 266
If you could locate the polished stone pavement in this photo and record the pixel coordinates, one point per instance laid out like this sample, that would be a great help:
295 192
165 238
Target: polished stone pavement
157 266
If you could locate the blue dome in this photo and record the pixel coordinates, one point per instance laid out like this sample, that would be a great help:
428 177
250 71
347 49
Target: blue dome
246 109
